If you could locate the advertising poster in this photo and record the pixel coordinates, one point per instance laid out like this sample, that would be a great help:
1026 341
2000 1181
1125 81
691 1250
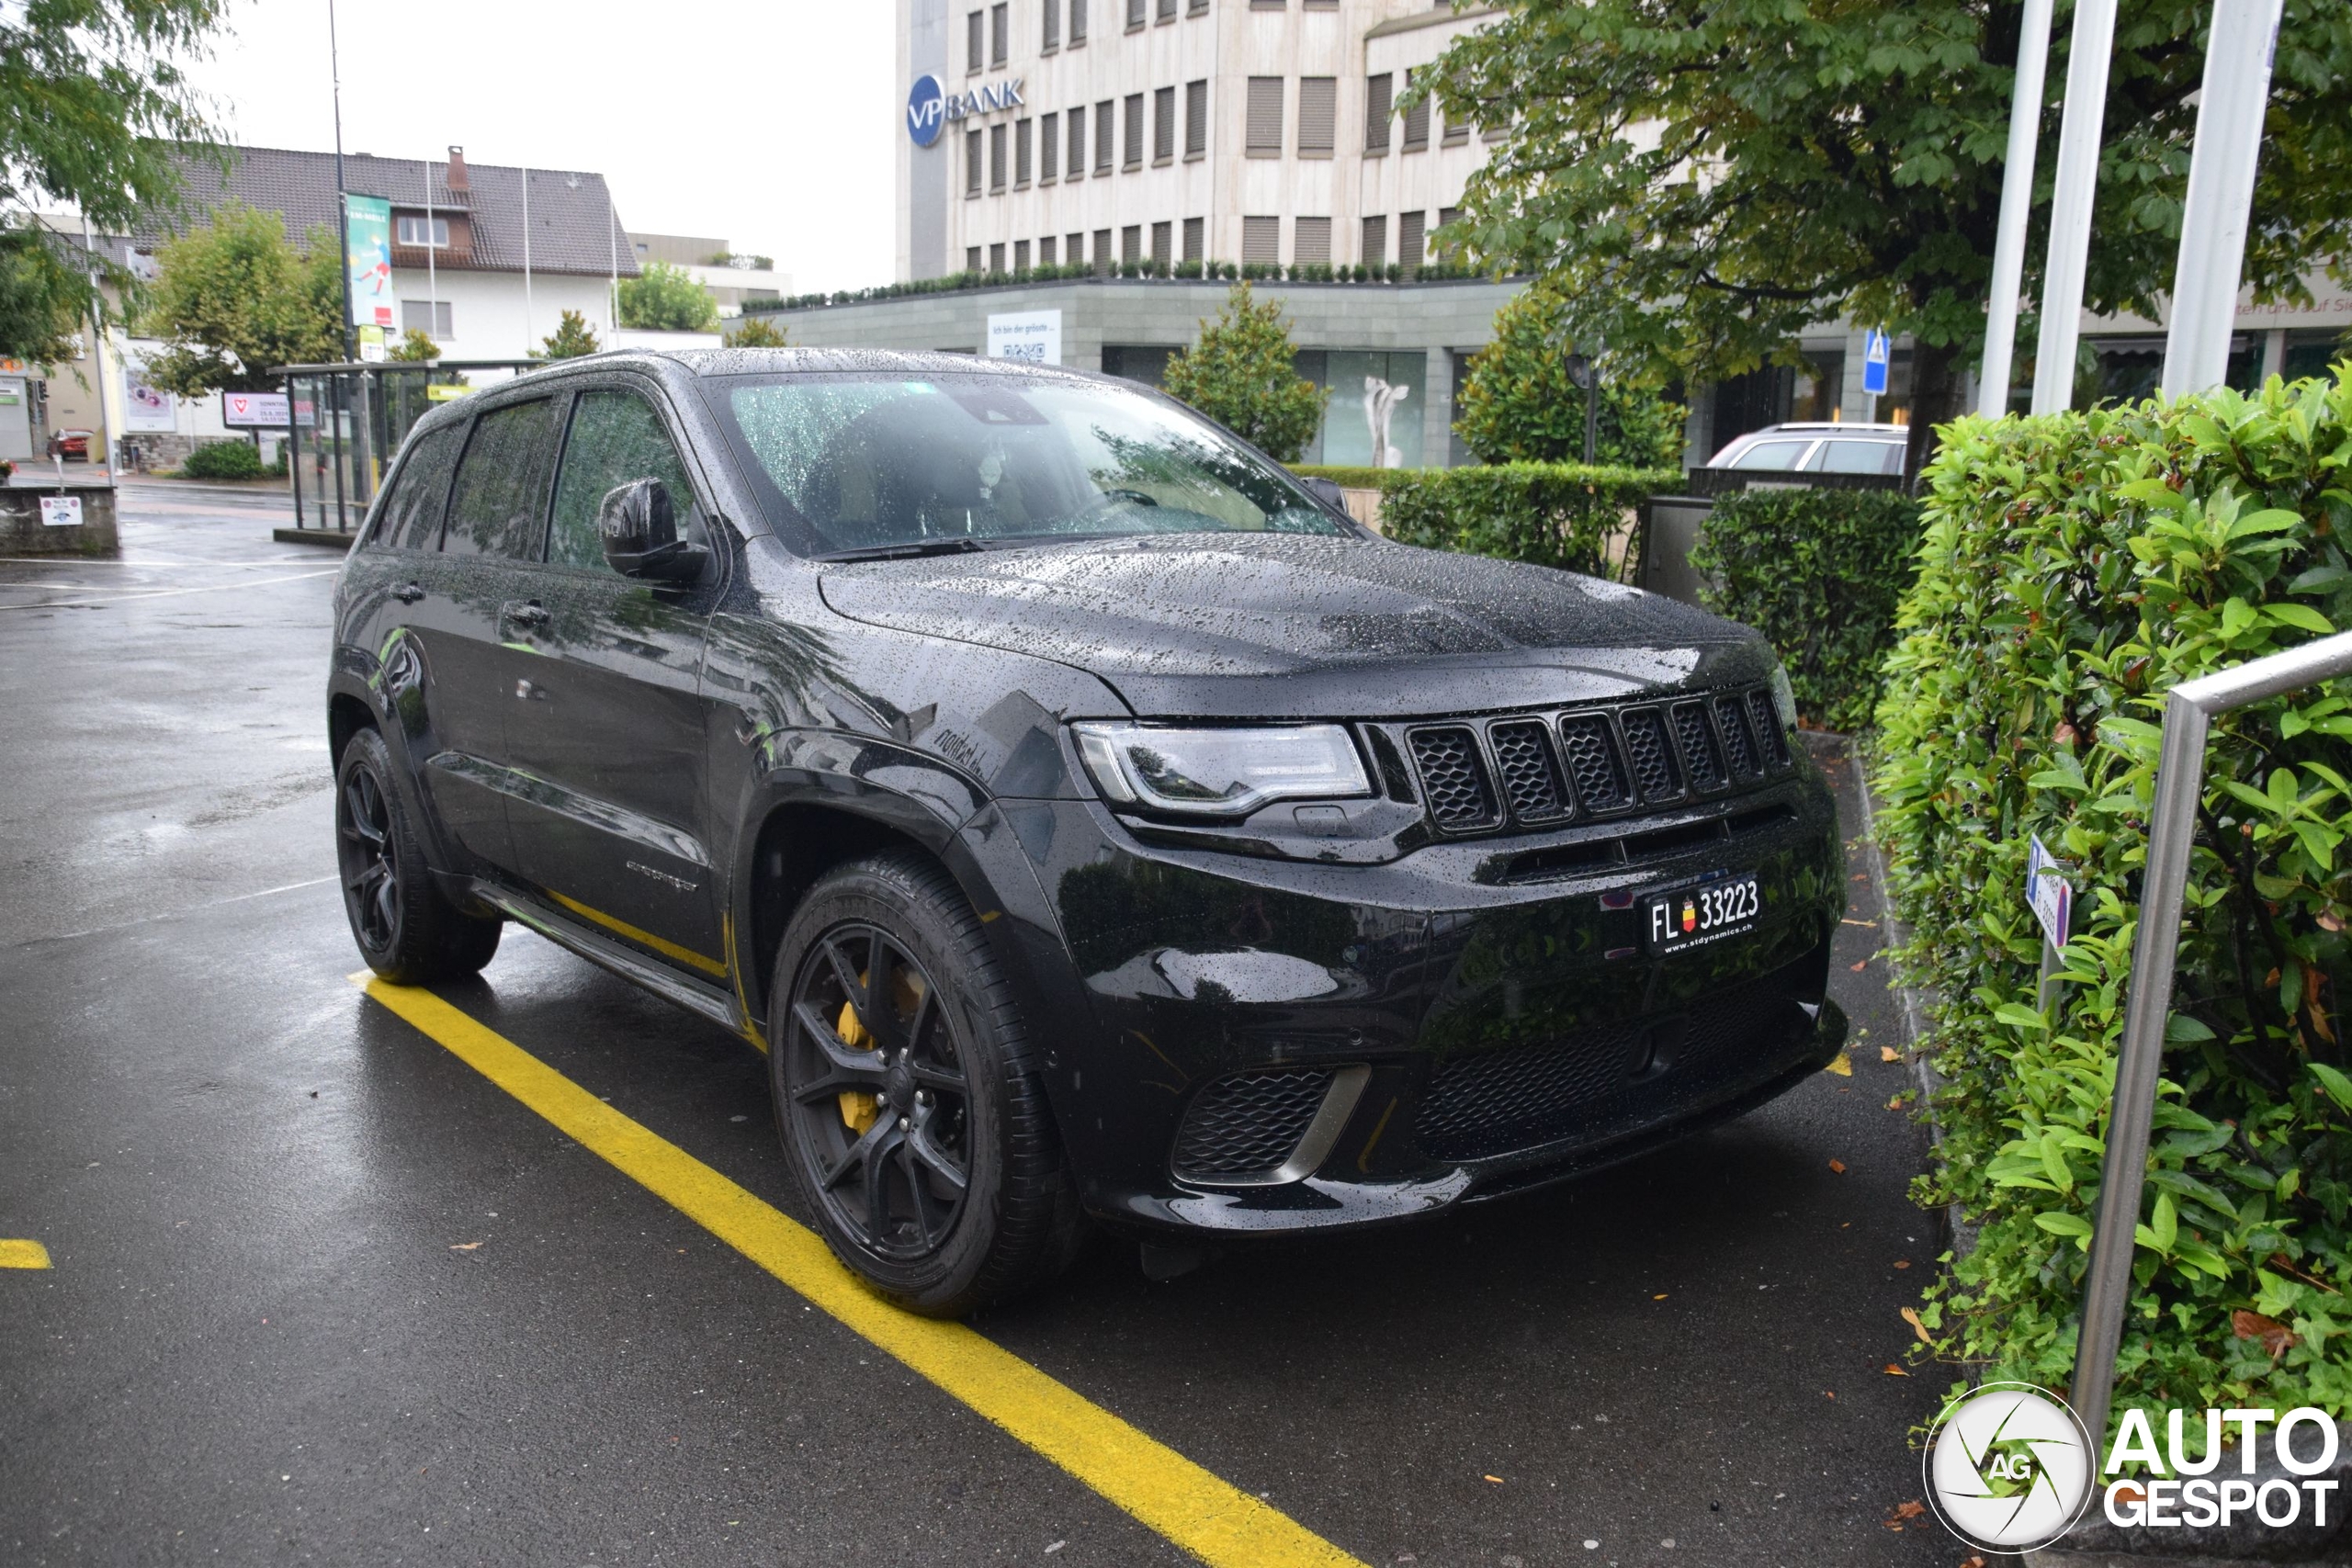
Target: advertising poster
145 410
368 251
1032 335
254 409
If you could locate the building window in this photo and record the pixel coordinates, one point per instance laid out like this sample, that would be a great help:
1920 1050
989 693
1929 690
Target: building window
1135 13
1265 119
1447 217
1105 114
1311 242
1024 155
430 317
1046 250
1077 22
1163 238
1131 148
1495 132
975 39
422 233
1131 244
1000 32
1076 162
996 157
1417 119
1409 230
1456 132
1049 130
996 258
1318 116
1322 5
1101 249
1196 118
1163 125
972 157
1196 7
1261 240
1268 4
1166 10
1196 239
1050 31
1377 95
971 259
1021 255
1375 241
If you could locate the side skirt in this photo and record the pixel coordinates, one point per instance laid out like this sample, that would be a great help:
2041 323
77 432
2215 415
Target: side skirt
711 1002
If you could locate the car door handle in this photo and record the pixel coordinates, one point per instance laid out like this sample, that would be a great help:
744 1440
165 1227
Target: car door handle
530 613
408 592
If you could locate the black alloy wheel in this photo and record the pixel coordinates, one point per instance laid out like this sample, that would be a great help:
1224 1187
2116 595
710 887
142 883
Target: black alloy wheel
407 929
879 1090
917 1130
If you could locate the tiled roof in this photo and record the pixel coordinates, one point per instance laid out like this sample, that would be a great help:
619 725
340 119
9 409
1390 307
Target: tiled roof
573 227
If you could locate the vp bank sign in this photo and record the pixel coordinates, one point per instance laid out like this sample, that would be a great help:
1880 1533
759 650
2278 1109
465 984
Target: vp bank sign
930 105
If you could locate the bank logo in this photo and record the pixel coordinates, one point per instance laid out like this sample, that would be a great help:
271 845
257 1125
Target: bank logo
926 110
2008 1467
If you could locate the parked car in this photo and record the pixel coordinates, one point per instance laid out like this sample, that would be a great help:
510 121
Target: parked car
1088 821
74 446
1811 449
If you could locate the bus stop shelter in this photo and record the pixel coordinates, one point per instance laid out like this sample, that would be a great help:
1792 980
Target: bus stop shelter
348 420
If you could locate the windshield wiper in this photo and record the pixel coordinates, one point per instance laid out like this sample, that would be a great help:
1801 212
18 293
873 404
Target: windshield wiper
961 543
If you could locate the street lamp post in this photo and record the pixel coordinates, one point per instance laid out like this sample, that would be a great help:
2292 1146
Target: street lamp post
1586 377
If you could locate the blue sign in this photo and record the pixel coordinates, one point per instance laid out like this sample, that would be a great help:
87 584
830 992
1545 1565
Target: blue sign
1874 357
926 110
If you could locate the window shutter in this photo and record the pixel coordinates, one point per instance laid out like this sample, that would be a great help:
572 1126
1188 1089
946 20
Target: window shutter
971 259
996 258
996 157
1375 241
1104 122
1310 241
1101 249
1163 236
1074 249
1377 96
1131 148
1021 156
1050 38
1049 134
1135 13
972 162
974 40
1417 120
1131 239
1194 241
1000 31
1166 10
1046 250
1076 163
1261 240
1196 118
1078 21
1409 230
1021 255
1163 124
1318 112
1265 139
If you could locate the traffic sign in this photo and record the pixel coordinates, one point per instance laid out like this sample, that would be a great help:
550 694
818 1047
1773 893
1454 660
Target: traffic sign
1875 352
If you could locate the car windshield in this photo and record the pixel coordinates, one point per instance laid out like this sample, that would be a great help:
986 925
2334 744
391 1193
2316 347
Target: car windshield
871 463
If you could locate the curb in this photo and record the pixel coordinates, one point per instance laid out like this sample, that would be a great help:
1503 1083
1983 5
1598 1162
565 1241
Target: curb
327 537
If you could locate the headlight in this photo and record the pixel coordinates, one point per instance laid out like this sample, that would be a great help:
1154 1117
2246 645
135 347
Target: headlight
1220 773
1782 697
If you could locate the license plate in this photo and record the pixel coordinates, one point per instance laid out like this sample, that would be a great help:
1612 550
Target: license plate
1692 916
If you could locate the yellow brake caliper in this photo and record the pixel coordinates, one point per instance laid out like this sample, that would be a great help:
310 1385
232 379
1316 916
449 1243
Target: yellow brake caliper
859 1108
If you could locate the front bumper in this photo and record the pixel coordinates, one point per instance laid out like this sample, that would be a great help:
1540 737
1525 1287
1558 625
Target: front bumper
1256 1045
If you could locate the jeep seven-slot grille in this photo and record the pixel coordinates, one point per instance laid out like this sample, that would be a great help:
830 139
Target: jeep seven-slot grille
1244 1127
1530 771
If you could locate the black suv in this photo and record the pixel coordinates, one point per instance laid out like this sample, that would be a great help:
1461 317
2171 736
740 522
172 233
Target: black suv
1087 819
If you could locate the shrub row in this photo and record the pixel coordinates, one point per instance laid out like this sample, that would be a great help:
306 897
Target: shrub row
1819 572
1556 515
1303 272
2076 567
223 460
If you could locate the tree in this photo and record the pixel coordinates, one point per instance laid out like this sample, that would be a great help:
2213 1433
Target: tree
757 332
94 98
1703 179
1243 373
666 299
233 299
571 338
1519 404
415 347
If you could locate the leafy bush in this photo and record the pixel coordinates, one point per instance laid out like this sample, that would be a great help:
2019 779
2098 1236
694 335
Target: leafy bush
2076 567
755 332
665 299
1559 514
1517 403
1242 373
1820 573
572 338
223 460
1349 476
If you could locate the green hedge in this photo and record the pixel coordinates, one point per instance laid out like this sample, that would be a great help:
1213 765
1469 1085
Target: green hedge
223 460
1559 514
1821 573
2076 567
1349 476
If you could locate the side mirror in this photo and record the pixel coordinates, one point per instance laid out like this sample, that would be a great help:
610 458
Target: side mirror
1327 491
640 530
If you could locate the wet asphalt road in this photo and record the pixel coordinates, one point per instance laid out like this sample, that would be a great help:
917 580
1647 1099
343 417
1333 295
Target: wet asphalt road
322 1293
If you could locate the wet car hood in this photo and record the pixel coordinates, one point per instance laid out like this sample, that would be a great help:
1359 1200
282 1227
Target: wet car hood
1247 625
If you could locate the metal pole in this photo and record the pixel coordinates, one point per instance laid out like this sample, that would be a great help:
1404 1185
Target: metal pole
2179 783
1592 416
526 258
98 353
294 451
2016 206
341 201
2070 204
342 449
432 271
2220 194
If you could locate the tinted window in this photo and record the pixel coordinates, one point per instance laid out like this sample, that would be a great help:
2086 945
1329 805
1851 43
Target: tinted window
1862 457
421 490
862 462
616 437
502 483
1770 454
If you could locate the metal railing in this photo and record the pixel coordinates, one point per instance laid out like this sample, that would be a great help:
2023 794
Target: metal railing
348 419
2189 708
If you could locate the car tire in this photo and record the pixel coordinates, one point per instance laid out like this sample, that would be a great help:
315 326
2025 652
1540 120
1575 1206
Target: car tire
933 1084
407 929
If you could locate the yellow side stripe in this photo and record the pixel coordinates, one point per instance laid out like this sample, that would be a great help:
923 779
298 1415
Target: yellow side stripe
1209 1517
644 939
23 1255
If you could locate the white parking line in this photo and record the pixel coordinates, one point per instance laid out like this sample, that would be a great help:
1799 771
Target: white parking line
169 593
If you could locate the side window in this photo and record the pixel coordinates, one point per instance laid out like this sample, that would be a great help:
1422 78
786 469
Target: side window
616 437
421 491
502 483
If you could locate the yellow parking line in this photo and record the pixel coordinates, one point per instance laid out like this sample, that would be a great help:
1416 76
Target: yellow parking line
23 1255
1213 1520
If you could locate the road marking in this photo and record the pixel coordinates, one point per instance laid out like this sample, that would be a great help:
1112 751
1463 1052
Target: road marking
23 1255
1209 1517
170 592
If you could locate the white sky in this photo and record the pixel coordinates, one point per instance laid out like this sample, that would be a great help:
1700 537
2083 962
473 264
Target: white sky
765 124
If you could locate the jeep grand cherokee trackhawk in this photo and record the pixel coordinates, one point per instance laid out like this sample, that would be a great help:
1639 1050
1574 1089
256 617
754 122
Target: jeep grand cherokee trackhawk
1089 820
